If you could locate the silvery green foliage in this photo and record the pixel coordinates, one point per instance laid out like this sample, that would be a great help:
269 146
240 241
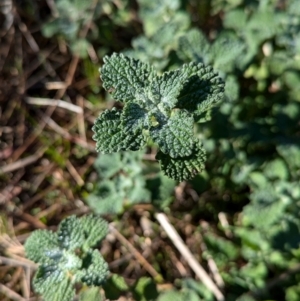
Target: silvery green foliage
121 182
69 18
67 257
163 23
226 54
156 13
155 48
191 290
162 108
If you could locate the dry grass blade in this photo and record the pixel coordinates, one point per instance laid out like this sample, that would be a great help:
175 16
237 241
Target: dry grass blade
188 256
8 193
224 223
136 254
14 262
55 103
22 162
10 293
73 172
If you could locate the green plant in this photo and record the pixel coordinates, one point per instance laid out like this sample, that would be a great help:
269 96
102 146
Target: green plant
253 166
70 21
70 17
163 24
121 183
158 107
67 257
125 180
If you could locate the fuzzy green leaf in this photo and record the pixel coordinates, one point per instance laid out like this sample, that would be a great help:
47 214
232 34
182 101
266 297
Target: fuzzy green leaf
66 256
226 52
145 289
54 281
108 165
95 269
163 107
175 137
115 286
125 77
54 288
133 118
110 136
92 294
38 243
137 192
183 168
95 229
171 295
166 88
70 234
203 90
106 199
69 262
193 46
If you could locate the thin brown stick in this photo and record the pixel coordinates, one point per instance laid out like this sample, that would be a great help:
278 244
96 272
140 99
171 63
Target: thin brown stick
27 278
36 182
81 127
7 41
30 219
73 172
34 135
22 162
10 293
55 85
224 223
120 261
15 277
188 256
75 139
25 285
136 254
69 77
34 46
52 209
213 267
37 197
22 263
8 193
54 102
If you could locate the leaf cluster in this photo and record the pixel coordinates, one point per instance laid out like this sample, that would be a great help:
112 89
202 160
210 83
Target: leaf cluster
70 19
125 180
163 24
121 183
162 108
253 145
252 142
67 257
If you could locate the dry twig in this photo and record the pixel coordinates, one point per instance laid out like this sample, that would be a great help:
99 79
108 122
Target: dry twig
22 162
224 223
10 293
54 102
136 253
189 257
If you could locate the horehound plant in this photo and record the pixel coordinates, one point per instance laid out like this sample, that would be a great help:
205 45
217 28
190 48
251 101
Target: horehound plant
162 108
67 257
